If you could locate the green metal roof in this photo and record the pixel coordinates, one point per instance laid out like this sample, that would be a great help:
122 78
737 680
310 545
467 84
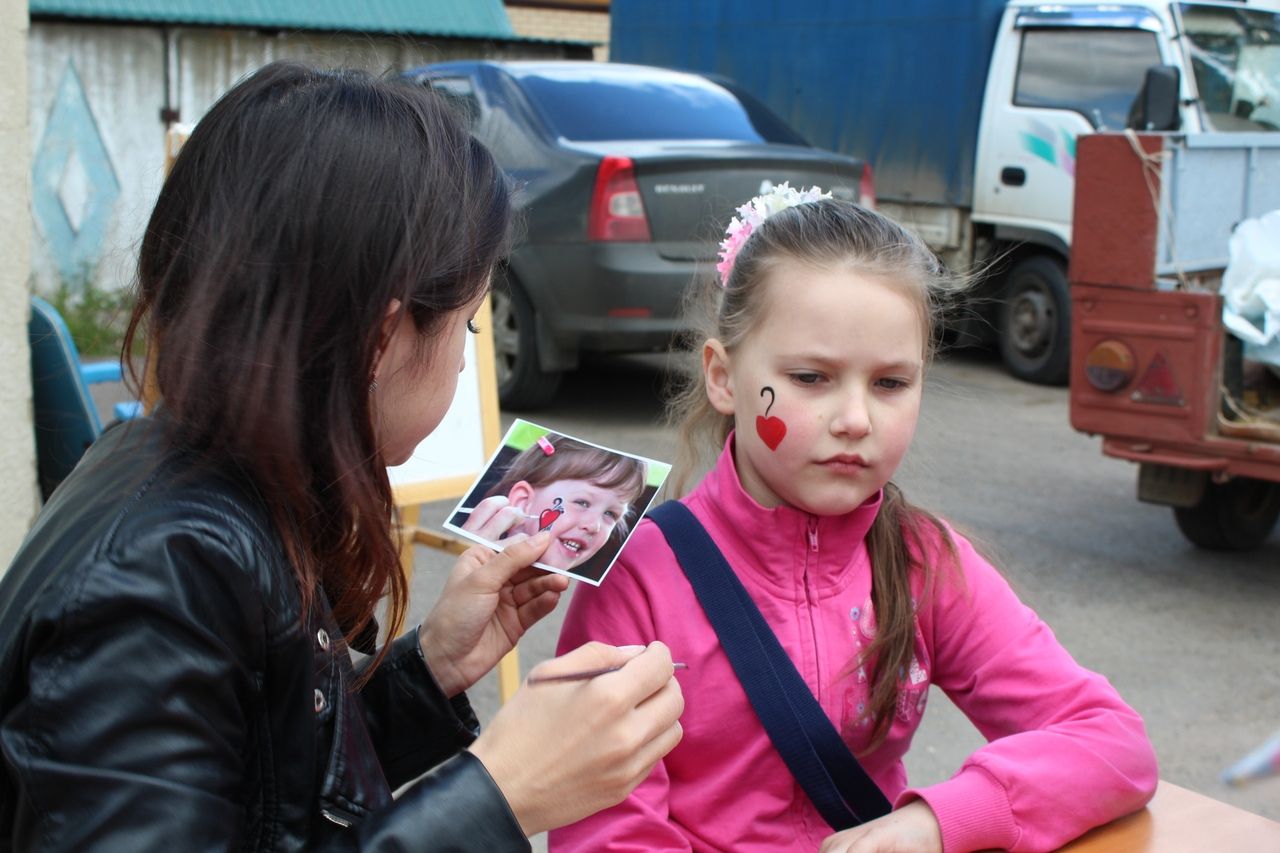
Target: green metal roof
483 19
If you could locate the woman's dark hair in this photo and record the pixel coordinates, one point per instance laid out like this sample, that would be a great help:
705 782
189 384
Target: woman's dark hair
303 203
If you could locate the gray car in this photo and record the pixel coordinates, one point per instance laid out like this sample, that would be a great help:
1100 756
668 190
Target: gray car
626 177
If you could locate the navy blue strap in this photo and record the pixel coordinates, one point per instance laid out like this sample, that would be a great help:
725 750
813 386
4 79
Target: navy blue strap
817 756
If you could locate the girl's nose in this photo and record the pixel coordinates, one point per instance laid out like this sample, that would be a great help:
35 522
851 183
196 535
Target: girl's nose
853 418
590 522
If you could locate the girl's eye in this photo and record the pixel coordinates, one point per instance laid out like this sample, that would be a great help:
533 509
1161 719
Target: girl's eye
611 515
582 503
472 327
806 378
893 384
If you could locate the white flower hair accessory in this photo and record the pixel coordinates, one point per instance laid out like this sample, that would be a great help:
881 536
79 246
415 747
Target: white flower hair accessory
753 214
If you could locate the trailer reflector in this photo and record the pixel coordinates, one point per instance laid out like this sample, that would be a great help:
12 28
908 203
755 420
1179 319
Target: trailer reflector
1158 384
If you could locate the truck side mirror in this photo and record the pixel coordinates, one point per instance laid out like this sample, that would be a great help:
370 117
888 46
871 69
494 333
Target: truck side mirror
1156 106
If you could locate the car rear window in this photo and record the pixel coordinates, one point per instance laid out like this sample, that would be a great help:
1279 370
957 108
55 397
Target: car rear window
632 107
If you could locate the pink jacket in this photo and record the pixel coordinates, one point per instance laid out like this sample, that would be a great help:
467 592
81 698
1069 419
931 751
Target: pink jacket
1065 752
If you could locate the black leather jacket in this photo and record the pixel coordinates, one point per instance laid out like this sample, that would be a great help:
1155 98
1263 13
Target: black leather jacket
159 689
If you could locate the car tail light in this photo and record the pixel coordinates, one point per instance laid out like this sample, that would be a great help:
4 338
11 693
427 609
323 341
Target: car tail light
1109 366
867 188
617 211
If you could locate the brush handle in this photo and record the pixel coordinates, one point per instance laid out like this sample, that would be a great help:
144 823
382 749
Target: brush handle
585 674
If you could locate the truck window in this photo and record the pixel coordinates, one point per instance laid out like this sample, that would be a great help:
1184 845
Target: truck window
1235 57
1094 72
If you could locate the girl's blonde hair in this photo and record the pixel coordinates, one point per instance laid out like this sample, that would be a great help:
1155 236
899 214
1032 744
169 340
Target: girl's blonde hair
574 460
826 233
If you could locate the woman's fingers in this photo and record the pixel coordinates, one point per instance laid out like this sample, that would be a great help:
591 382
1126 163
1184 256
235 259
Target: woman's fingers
493 517
623 723
502 568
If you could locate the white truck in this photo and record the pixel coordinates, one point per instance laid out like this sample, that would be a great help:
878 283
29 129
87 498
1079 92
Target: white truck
969 112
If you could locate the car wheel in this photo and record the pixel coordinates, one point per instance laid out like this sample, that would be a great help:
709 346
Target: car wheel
1233 516
1035 327
522 384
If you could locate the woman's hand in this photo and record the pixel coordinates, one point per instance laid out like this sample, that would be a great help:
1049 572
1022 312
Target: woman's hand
493 518
560 751
910 829
488 603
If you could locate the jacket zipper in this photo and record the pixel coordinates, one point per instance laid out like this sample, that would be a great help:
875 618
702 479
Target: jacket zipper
812 535
343 822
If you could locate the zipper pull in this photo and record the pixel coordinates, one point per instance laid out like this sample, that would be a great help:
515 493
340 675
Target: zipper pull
813 535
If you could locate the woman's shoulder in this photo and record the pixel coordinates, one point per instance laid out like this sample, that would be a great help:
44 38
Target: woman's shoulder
137 517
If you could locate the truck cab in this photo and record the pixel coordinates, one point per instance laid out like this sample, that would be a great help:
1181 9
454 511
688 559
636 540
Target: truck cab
1061 71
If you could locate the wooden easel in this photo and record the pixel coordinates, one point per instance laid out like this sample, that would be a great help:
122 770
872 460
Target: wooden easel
410 497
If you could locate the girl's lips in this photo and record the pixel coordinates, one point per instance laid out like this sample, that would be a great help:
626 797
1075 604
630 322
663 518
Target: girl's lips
845 459
572 548
845 463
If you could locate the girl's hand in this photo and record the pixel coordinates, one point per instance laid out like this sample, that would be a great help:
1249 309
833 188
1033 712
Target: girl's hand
488 603
493 518
911 829
560 751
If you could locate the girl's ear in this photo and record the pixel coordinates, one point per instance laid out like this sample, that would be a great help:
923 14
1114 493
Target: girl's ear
715 373
520 495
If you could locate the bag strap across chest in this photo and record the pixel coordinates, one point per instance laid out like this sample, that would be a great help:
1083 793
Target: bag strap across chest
802 733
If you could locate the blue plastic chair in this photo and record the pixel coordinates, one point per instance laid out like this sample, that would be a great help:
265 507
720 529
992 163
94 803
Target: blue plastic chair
66 419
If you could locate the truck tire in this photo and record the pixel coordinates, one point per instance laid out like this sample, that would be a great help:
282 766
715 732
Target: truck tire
1233 516
1035 321
522 383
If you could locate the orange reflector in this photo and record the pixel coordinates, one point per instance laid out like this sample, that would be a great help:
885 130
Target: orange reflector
631 312
1158 384
1109 366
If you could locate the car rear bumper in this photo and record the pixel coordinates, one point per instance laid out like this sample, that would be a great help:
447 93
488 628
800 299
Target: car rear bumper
605 297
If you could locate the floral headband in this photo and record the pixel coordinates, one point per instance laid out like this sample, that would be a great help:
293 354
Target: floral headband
753 214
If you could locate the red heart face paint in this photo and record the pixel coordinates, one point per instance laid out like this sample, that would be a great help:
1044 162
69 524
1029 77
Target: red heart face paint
549 516
770 430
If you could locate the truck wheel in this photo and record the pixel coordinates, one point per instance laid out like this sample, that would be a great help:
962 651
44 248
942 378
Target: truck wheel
1035 321
1233 516
522 384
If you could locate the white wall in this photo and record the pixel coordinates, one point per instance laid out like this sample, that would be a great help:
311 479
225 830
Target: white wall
17 443
97 137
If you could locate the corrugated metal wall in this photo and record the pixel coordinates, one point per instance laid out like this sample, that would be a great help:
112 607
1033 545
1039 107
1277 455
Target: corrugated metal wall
97 138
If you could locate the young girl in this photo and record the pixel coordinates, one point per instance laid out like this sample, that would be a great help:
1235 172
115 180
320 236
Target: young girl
583 495
812 374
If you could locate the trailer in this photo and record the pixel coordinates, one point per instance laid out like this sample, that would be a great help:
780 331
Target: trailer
1154 373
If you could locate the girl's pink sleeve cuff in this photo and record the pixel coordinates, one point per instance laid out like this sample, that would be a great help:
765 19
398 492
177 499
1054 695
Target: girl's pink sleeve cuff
972 809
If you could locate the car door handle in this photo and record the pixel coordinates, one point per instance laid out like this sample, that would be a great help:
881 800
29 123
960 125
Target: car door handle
1013 176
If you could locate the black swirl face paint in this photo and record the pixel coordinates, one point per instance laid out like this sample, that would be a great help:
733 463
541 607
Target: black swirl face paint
770 430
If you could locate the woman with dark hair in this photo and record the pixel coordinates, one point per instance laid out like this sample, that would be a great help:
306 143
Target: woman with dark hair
175 631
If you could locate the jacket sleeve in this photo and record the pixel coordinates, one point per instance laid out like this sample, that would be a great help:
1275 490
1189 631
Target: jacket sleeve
135 732
412 724
1065 753
132 733
618 613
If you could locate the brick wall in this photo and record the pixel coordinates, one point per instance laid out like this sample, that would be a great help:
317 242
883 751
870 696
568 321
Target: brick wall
563 24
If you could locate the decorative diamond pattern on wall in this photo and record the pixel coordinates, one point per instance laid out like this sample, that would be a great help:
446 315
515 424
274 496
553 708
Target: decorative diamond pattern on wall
73 183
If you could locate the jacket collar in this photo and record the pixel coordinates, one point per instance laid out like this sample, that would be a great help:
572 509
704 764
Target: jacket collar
783 547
